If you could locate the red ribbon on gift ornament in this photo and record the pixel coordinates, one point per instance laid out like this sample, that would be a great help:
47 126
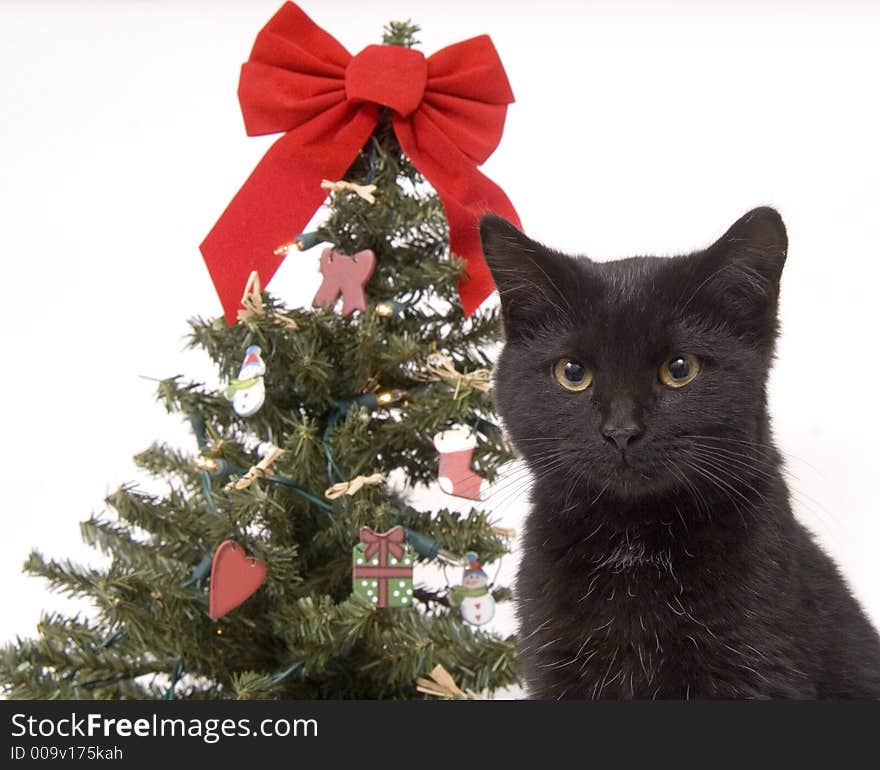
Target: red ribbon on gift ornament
382 543
448 115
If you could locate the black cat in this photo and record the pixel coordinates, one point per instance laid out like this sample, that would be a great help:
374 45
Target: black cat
661 558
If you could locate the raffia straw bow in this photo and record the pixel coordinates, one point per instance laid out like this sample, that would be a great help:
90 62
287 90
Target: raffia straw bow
252 303
364 191
258 471
354 486
440 684
441 367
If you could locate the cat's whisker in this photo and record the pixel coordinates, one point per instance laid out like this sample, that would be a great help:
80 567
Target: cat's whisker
519 484
772 450
601 492
713 482
537 462
713 452
526 477
702 505
721 485
733 476
804 500
728 470
769 449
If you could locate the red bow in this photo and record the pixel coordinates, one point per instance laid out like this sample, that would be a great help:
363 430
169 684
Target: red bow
382 543
449 112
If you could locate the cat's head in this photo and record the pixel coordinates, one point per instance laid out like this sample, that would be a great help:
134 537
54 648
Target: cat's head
643 374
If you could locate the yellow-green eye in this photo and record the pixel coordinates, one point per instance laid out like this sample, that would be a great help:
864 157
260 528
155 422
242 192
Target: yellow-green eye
679 370
572 375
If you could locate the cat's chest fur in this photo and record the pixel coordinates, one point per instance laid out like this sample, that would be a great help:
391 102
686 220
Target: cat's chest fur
646 614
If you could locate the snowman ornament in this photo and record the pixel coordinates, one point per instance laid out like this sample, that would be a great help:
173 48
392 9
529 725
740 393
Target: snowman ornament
248 391
473 597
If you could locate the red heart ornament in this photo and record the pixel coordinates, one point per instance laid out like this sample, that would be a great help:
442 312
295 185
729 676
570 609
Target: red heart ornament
235 576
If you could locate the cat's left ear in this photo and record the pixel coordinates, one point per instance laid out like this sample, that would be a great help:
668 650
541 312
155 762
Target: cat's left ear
741 271
756 242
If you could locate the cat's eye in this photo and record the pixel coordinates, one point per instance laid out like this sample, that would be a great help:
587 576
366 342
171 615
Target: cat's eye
679 370
572 375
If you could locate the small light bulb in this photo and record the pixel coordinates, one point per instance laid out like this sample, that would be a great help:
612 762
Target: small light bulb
390 396
384 309
208 464
219 632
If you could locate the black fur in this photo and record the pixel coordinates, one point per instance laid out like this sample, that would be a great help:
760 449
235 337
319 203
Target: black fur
673 568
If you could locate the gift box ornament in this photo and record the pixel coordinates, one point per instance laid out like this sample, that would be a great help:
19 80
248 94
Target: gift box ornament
382 568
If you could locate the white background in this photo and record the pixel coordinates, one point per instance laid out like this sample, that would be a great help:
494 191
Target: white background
638 128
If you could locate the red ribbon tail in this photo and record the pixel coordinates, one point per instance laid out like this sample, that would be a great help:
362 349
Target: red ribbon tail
466 193
276 203
464 240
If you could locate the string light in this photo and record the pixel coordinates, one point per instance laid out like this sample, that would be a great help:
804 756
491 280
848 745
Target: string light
305 241
368 400
282 675
214 466
392 307
206 464
200 572
218 467
429 548
176 676
386 309
390 396
300 242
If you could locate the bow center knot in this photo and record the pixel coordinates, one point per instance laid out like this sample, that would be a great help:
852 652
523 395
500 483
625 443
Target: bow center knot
390 75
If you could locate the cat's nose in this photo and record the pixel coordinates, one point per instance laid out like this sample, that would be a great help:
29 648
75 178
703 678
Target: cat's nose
622 433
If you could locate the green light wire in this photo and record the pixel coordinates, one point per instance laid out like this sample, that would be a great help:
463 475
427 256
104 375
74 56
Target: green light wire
282 675
176 676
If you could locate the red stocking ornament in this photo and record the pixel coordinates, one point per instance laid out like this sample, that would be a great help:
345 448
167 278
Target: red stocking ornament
456 447
346 276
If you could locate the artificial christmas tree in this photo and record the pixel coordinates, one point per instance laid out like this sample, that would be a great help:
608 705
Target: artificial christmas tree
237 582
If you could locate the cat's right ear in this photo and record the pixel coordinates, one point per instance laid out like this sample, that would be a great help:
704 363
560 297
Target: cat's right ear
532 280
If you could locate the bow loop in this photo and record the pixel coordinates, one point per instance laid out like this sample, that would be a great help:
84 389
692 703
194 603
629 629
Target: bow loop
382 543
275 99
389 75
476 126
290 39
295 72
470 69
